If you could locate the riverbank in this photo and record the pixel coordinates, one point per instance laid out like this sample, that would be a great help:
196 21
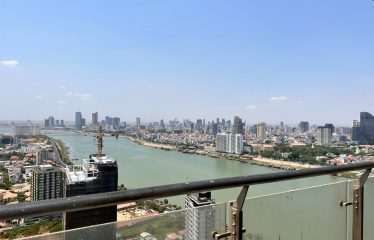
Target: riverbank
154 145
281 164
256 161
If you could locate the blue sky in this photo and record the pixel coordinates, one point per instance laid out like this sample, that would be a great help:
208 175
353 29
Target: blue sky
262 60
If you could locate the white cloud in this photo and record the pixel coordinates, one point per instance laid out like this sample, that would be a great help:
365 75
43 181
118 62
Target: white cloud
39 97
299 102
9 63
62 102
249 107
63 87
83 96
278 99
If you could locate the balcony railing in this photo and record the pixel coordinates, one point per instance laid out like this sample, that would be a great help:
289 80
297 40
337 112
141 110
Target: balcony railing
296 214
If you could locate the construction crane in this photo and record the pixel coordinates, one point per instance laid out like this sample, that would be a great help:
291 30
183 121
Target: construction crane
100 143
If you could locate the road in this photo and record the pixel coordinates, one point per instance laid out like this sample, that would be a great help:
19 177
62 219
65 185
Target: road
57 159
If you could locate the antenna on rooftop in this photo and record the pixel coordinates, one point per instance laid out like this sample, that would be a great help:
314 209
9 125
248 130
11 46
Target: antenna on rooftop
100 143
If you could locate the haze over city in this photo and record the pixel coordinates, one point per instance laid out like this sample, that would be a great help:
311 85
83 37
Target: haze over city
264 61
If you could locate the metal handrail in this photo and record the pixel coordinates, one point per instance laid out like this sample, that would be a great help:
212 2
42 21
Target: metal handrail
69 204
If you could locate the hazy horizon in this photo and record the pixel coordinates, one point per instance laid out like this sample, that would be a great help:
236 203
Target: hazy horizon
267 61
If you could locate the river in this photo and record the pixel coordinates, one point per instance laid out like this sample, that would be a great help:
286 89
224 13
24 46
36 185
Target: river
141 166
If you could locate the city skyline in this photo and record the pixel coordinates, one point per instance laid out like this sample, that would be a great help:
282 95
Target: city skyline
168 59
86 117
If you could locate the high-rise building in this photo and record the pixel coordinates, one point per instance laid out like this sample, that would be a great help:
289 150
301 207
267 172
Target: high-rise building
116 123
98 174
162 124
238 125
366 128
47 182
261 131
95 176
214 129
228 125
51 121
138 123
356 131
95 118
331 126
324 136
239 146
57 123
254 130
202 217
62 123
304 127
229 143
78 120
199 125
22 130
108 121
222 140
46 123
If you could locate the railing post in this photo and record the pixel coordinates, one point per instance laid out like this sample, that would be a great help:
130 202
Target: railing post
237 215
358 207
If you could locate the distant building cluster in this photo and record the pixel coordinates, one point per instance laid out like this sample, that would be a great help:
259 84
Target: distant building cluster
50 122
109 123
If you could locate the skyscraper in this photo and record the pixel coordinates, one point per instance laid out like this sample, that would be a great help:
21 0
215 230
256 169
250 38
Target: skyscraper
95 118
199 125
228 125
324 136
356 131
214 128
138 123
116 123
304 127
51 121
108 121
202 216
261 130
366 128
47 182
78 120
238 125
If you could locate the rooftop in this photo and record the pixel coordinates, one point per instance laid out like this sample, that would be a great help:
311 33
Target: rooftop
88 171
